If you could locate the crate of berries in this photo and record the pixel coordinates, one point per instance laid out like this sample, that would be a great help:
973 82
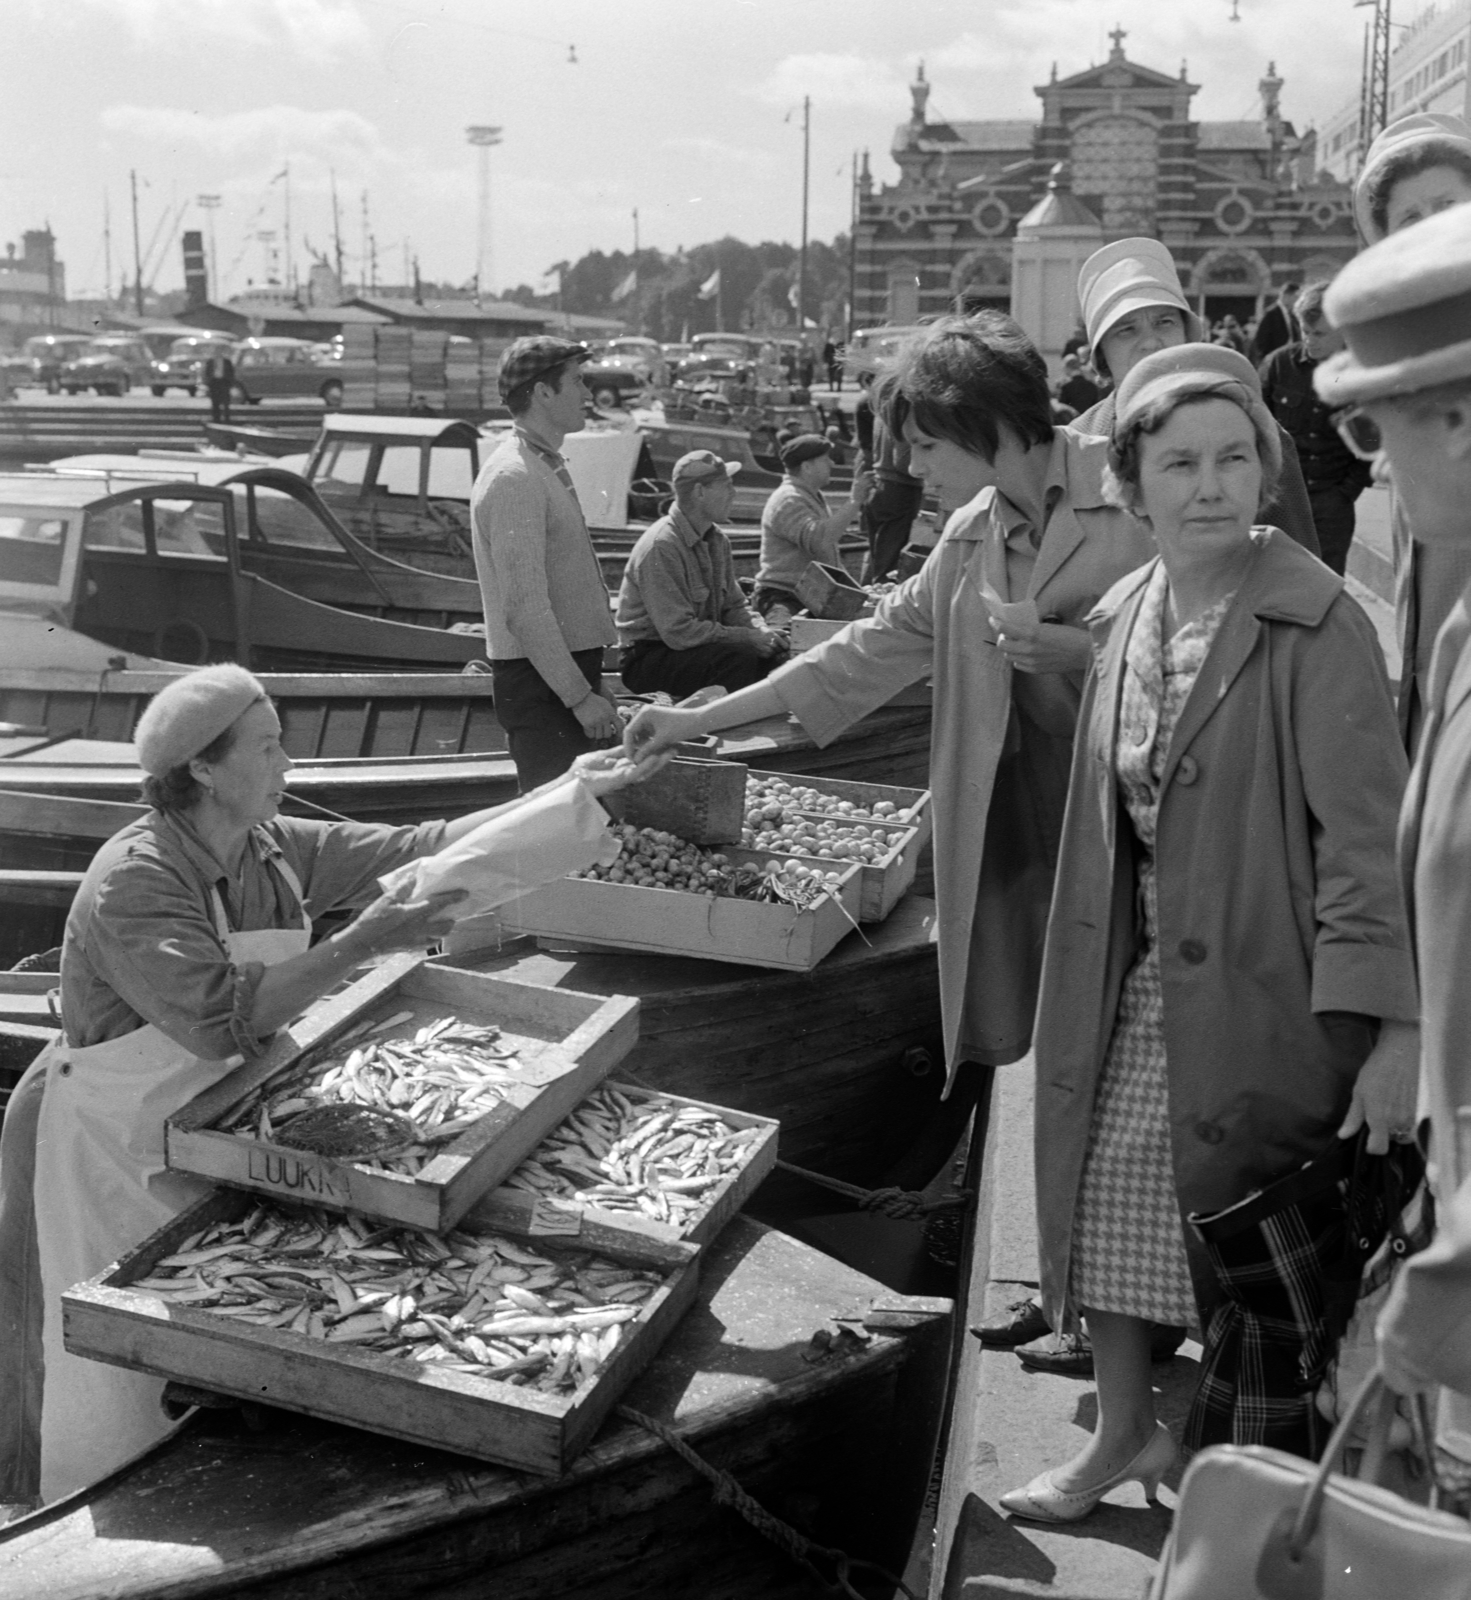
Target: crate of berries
407 1095
502 1349
634 1158
669 896
878 827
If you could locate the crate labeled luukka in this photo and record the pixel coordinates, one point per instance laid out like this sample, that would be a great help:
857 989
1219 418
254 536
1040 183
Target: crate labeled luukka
633 1159
407 1095
507 1351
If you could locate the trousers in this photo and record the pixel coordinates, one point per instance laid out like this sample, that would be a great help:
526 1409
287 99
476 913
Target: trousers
544 737
1333 517
888 515
649 665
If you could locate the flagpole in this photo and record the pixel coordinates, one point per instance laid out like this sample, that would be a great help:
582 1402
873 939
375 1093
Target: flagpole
635 265
802 258
719 297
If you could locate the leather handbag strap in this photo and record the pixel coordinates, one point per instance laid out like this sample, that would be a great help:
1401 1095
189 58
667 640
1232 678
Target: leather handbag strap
1305 1524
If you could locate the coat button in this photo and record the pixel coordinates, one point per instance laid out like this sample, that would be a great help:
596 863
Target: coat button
1188 770
1208 1133
1139 733
65 1069
1193 951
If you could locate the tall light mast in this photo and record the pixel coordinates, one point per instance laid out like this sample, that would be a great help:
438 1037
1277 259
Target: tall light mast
1374 92
484 139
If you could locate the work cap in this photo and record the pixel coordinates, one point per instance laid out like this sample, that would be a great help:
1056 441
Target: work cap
192 712
1402 138
1190 371
805 447
702 466
1125 277
530 358
1404 307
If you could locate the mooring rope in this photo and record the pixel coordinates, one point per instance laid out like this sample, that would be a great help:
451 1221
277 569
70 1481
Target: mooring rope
727 1492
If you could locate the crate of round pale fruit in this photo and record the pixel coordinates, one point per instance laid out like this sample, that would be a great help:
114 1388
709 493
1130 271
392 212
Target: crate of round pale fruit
468 1340
878 827
634 1159
665 895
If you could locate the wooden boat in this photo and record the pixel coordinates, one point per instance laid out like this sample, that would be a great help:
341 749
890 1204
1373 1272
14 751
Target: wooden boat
838 1435
156 568
256 440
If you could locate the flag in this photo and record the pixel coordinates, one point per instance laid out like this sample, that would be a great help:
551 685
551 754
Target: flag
285 172
628 285
711 286
792 298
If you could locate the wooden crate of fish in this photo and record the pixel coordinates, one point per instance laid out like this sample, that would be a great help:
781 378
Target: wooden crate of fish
407 1095
633 1158
881 827
670 897
464 1341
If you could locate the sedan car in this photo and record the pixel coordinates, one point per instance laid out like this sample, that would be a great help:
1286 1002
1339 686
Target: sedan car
275 367
110 364
45 354
183 367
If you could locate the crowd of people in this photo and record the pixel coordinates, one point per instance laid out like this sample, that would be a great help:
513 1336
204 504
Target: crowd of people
1190 855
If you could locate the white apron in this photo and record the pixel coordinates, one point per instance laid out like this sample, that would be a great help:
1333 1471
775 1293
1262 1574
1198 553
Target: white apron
102 1188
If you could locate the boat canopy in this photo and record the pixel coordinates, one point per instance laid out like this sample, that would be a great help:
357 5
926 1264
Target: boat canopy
387 430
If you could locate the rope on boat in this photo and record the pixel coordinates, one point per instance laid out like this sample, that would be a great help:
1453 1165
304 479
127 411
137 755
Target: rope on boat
804 1551
899 1204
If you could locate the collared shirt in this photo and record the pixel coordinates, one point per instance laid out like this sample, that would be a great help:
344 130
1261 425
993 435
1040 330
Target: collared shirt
540 581
792 536
1287 387
680 587
141 943
551 455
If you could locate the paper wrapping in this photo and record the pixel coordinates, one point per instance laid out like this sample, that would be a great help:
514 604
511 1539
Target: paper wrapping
542 837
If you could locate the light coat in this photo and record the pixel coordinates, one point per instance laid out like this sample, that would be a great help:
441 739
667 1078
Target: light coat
992 883
1277 892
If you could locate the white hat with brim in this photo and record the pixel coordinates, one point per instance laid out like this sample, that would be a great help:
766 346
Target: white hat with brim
1127 276
1399 138
1404 309
191 713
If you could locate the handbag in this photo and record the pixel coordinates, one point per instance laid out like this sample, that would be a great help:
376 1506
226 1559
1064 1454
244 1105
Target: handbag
1255 1523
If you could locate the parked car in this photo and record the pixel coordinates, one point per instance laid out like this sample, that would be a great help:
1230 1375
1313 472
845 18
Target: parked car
183 367
640 352
614 380
46 353
111 364
276 367
869 348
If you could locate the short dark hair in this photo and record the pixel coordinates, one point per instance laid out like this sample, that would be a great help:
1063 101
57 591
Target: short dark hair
1310 301
1409 164
178 789
962 377
518 401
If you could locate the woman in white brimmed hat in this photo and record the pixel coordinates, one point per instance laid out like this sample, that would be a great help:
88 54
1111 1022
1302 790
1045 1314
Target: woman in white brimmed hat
1133 305
188 945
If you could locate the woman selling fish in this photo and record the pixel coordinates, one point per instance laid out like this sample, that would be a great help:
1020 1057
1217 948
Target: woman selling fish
189 944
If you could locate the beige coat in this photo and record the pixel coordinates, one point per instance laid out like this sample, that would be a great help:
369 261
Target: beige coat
1278 899
1000 742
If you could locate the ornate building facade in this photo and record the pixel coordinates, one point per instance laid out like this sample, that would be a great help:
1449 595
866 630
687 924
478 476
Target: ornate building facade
1241 205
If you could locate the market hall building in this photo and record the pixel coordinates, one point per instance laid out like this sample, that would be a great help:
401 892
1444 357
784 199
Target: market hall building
1242 206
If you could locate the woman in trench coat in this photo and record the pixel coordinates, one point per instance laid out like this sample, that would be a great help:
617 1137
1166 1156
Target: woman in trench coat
1227 983
995 616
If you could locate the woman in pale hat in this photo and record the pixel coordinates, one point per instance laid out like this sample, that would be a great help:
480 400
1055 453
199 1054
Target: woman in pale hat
1404 383
188 945
1133 305
1226 907
1418 167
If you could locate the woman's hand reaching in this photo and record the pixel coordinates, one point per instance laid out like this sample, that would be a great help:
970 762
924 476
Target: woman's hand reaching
605 770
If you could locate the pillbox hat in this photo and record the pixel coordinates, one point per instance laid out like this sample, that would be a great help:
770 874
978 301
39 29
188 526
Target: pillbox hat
1191 370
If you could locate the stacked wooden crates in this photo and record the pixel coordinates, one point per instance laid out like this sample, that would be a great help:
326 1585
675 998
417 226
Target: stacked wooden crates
359 351
462 375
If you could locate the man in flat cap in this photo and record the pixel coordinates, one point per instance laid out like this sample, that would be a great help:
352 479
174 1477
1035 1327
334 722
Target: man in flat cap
547 620
797 527
1403 390
683 620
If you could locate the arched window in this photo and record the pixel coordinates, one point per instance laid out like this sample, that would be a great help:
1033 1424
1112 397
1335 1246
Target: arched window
1116 172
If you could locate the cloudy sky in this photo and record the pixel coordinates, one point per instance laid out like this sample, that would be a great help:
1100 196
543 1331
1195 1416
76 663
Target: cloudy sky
688 110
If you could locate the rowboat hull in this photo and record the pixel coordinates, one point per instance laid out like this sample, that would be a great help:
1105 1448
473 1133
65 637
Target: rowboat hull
302 1510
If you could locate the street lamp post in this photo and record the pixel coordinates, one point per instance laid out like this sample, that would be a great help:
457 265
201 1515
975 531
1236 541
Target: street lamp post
209 204
484 139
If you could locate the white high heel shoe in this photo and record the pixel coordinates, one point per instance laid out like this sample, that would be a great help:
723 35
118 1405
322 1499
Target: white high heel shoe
1042 1501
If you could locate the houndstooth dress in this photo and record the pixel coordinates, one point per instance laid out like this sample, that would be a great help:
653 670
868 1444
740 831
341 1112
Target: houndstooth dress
1128 1250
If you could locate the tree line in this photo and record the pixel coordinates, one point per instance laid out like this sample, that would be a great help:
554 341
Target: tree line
664 299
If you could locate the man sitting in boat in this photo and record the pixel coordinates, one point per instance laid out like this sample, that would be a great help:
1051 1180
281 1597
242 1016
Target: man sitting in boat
682 617
189 944
797 526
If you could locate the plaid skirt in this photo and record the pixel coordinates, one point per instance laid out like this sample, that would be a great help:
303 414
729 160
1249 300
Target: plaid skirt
1128 1236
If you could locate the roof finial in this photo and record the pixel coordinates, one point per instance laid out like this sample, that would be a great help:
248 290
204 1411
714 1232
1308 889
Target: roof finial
919 93
1118 36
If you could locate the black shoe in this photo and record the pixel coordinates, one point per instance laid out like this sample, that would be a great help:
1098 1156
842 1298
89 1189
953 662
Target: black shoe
1021 1323
1070 1355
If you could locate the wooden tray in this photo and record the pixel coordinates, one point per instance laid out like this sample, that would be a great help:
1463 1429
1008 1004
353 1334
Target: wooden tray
584 1223
568 1042
884 882
586 914
109 1321
914 804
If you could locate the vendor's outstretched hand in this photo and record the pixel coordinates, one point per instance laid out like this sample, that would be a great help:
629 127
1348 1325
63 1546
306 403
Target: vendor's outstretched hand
391 924
605 770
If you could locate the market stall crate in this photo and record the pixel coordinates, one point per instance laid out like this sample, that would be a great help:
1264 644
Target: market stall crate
564 1044
829 592
584 913
122 1317
702 801
572 1199
883 882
